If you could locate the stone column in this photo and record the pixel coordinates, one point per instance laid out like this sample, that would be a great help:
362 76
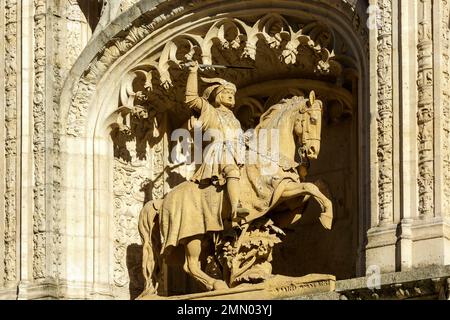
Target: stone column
381 236
430 230
410 226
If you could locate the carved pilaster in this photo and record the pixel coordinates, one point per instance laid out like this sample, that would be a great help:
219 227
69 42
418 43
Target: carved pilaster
55 162
385 114
11 145
68 32
39 145
425 112
444 31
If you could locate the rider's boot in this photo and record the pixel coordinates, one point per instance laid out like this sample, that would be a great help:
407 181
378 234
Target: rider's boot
239 216
238 213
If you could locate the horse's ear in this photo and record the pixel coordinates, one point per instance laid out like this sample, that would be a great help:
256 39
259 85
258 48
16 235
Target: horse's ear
312 97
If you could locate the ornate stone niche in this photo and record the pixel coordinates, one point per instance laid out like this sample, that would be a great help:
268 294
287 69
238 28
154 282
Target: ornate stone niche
289 57
130 99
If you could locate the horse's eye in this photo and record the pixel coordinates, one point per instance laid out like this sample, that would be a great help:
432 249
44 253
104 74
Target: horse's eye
313 120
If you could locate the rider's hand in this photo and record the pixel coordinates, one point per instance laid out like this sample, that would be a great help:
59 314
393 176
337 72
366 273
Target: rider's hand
248 137
193 66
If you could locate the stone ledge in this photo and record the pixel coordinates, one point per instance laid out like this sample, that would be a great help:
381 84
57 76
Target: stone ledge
430 272
423 283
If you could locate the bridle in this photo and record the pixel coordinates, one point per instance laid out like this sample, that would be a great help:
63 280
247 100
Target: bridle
302 151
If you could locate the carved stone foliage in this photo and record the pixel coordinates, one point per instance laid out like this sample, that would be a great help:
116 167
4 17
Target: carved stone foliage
139 162
39 143
385 114
268 45
445 76
127 204
238 42
310 37
11 144
246 255
425 112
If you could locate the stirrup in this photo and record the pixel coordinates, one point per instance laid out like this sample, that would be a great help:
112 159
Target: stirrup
242 212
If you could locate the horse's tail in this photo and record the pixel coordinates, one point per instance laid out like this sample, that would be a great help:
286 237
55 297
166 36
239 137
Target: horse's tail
151 260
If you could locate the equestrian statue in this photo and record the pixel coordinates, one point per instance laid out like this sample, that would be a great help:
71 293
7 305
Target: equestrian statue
232 209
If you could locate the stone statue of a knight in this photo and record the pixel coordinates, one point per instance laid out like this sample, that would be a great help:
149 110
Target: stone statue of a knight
224 157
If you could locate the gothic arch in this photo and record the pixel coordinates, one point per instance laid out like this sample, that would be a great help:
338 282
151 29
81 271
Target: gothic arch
146 42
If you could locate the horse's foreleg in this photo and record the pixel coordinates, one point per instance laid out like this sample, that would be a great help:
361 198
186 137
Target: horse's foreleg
192 265
295 190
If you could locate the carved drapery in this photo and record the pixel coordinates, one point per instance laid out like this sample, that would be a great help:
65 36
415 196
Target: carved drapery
385 113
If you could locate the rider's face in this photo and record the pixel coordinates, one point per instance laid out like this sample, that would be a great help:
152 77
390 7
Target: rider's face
226 98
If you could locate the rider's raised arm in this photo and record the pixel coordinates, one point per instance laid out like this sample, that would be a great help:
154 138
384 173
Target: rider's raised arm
193 101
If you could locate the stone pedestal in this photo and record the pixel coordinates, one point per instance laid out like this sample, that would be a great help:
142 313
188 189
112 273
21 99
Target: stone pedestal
278 287
416 244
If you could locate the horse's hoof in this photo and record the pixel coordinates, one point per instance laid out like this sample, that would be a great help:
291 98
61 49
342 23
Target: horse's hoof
148 294
220 285
326 221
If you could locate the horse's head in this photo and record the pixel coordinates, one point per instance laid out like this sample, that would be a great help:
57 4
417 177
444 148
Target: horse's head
308 127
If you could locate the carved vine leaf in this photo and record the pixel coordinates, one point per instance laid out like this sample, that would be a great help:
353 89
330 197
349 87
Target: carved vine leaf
234 34
247 256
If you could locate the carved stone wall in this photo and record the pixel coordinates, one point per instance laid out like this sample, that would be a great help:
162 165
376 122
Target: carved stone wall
412 63
55 209
35 62
139 176
69 32
73 187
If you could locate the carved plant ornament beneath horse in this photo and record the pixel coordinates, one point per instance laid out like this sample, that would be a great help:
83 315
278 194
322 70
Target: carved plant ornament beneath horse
193 219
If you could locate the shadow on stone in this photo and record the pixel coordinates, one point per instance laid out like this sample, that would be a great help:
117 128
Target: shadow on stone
134 267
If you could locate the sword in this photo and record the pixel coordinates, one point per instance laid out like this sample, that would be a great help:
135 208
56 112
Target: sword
217 66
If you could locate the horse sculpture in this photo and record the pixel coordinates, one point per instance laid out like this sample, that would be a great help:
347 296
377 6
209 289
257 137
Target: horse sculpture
190 212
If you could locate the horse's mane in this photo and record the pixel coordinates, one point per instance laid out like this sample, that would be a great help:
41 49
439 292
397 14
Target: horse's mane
272 117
